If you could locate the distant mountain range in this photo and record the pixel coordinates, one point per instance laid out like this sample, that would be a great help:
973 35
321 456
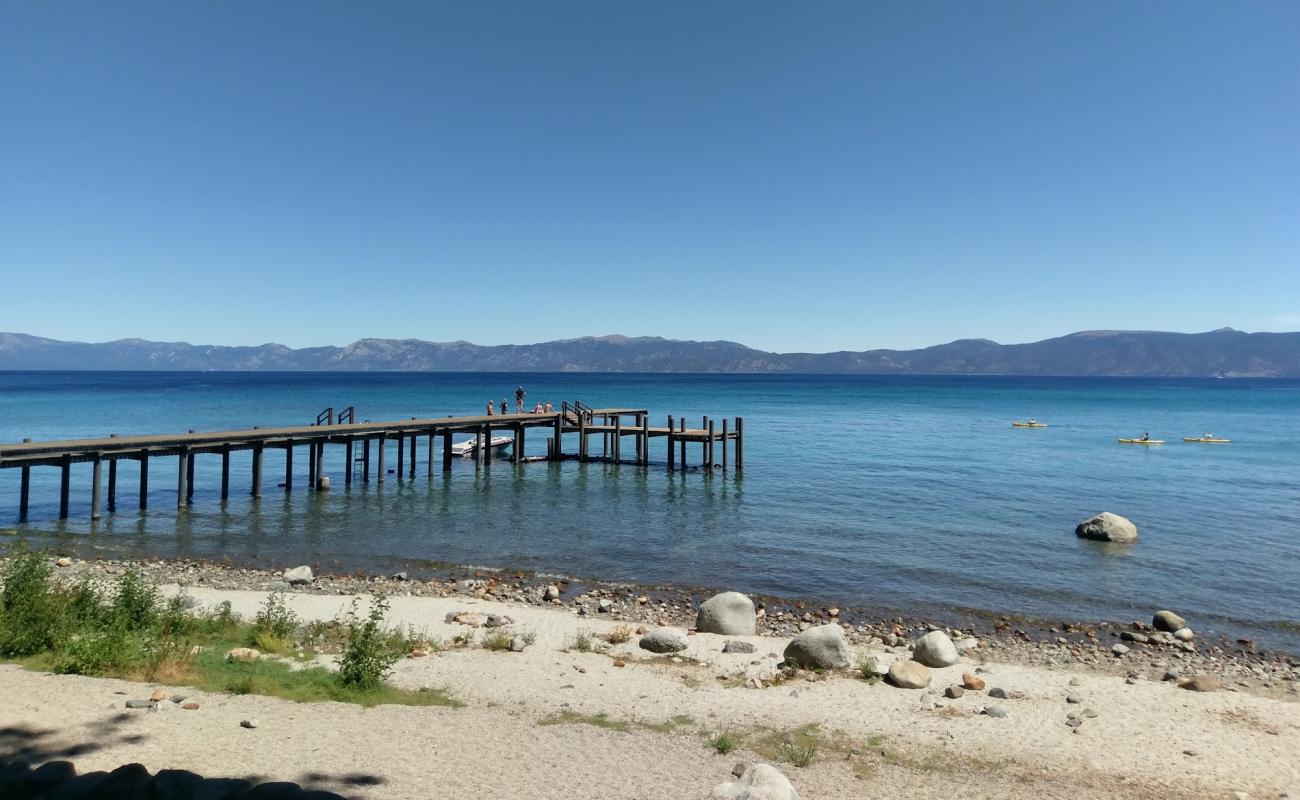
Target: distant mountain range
1225 353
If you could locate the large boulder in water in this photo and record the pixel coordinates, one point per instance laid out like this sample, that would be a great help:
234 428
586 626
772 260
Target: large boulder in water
758 782
935 649
1166 620
1107 527
822 647
729 613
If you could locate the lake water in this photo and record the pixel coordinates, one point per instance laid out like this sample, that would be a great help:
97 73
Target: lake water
907 493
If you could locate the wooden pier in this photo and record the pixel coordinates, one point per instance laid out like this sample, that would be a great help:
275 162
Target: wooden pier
365 447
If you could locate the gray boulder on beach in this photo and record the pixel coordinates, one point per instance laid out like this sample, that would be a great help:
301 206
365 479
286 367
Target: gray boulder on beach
298 575
729 613
935 649
1107 527
1165 620
664 640
909 674
823 646
757 782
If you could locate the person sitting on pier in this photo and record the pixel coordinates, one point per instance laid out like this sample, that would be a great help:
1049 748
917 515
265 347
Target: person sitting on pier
505 407
550 409
537 409
492 410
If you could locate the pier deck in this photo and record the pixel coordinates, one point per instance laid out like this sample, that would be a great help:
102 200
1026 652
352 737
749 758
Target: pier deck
606 423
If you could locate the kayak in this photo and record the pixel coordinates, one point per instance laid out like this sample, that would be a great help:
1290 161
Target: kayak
1029 424
1205 440
1140 441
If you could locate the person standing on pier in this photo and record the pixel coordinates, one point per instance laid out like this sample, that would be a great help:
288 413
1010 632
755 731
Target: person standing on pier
519 399
505 407
491 409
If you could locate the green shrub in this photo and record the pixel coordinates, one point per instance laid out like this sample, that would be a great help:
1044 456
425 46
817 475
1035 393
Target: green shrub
869 671
275 619
722 742
135 607
366 659
496 639
33 614
97 652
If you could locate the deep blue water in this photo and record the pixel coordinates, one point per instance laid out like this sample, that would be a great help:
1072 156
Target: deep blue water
896 492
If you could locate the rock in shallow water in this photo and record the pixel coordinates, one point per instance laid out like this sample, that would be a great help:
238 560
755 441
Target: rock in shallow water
1167 621
1107 527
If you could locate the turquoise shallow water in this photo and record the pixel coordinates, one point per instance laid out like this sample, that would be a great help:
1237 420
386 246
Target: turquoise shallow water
896 492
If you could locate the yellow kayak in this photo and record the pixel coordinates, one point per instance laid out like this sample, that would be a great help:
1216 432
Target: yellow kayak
1206 440
1140 441
1030 424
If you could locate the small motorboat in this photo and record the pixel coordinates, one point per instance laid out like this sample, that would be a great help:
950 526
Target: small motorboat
1208 438
1029 423
1140 441
469 447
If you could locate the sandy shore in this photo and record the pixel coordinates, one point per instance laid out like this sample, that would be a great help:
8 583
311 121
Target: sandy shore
524 732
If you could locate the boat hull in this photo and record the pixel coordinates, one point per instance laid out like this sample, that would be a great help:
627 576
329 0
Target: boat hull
1203 440
1141 441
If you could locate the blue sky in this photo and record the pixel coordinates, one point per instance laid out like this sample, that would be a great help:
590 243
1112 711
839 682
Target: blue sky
794 176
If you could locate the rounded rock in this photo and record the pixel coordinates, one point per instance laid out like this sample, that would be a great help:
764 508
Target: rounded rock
821 647
935 649
728 613
664 640
909 674
1168 621
1107 527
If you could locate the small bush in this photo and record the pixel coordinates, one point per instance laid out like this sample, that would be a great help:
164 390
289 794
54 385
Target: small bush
584 642
722 742
798 753
496 639
32 613
135 607
275 619
366 662
619 635
96 652
869 671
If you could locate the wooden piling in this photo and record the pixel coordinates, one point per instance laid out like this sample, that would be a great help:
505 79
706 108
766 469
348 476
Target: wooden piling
144 479
401 454
429 455
351 459
724 444
446 452
112 485
189 477
225 472
182 474
558 438
645 440
320 464
381 443
618 437
411 473
95 472
256 488
740 443
288 466
24 492
65 486
311 465
682 442
708 449
671 451
365 460
582 436
517 449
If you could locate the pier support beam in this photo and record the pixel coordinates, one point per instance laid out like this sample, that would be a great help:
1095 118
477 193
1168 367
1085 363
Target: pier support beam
182 475
645 440
65 485
671 451
682 442
288 466
381 443
740 443
189 477
429 455
256 490
351 459
708 449
401 454
558 438
112 485
365 460
582 437
618 438
517 449
96 471
24 493
225 472
415 437
446 452
320 464
144 479
724 444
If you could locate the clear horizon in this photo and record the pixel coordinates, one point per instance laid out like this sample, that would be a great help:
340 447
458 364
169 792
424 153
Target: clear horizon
837 177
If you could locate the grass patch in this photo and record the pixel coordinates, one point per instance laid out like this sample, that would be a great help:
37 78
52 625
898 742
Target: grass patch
600 720
585 642
496 639
722 742
868 670
124 630
669 725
